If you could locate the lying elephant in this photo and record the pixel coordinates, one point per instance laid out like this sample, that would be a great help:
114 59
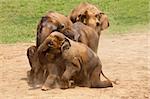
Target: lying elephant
53 21
90 15
81 64
86 35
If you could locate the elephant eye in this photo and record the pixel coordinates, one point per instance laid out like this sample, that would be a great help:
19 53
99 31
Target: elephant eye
50 44
98 16
61 26
97 23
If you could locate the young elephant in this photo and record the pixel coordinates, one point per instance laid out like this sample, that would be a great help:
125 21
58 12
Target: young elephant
36 74
81 33
88 35
84 34
90 15
81 64
44 66
53 21
78 31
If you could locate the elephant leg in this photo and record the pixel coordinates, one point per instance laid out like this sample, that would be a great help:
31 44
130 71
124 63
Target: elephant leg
40 76
36 73
50 81
30 77
70 71
96 82
52 77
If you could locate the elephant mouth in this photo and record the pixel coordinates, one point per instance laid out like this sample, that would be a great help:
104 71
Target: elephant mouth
52 50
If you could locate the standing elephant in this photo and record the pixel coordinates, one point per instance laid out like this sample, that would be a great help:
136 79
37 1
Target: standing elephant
90 15
77 31
53 21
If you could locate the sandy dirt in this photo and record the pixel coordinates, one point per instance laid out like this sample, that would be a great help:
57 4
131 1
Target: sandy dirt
124 57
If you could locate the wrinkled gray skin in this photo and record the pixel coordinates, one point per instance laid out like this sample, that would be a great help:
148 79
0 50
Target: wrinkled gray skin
82 64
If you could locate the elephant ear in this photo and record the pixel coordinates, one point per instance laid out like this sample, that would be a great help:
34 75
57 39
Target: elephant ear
104 21
73 19
39 29
72 34
65 45
31 51
83 17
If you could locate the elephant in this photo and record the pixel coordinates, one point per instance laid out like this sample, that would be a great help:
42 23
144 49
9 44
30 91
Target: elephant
80 63
50 22
84 34
77 31
44 66
37 74
41 65
90 15
53 21
87 35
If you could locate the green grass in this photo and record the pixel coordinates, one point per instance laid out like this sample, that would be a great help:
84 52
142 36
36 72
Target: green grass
19 18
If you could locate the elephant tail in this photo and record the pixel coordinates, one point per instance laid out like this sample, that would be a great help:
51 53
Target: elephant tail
116 82
105 76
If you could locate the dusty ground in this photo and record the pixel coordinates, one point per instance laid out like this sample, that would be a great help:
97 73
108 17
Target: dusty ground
124 57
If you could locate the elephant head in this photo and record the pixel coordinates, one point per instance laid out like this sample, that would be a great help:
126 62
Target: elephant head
97 21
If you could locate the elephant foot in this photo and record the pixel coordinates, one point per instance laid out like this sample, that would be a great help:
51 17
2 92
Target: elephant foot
64 85
45 88
71 84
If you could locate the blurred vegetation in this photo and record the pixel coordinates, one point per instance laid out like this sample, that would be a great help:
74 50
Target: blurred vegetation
19 18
